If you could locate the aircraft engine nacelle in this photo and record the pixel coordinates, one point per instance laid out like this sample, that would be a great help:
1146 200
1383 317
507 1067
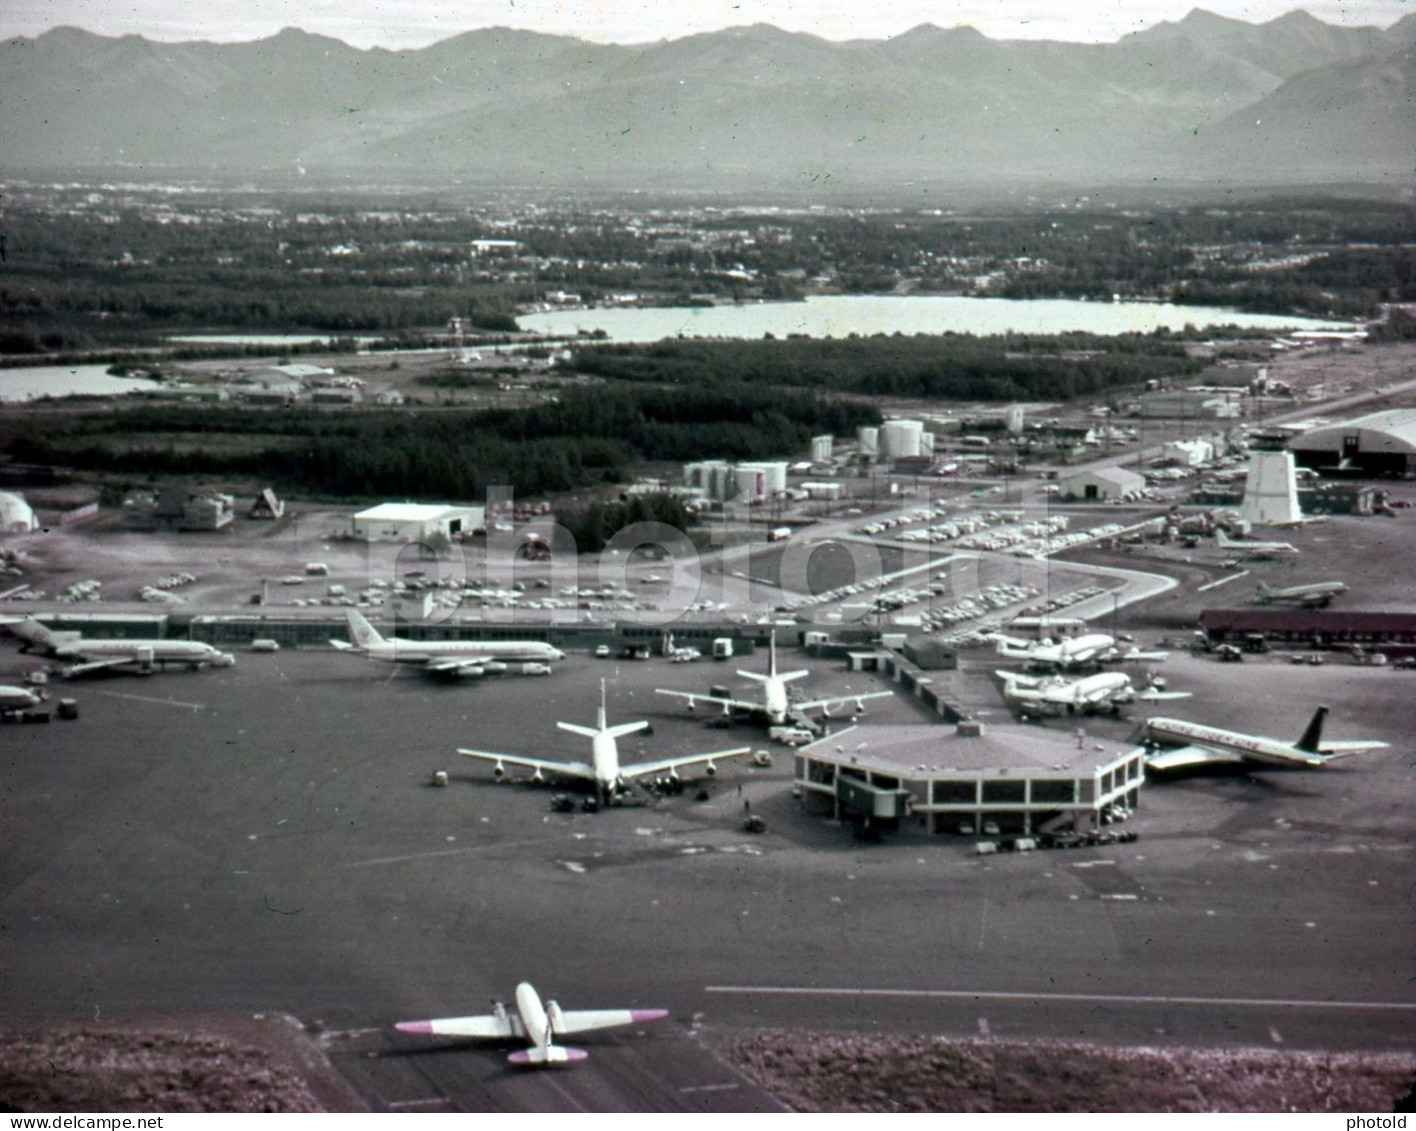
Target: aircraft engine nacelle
710 769
692 705
674 774
538 777
859 707
499 770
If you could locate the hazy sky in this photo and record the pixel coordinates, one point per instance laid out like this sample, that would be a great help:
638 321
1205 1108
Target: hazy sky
416 23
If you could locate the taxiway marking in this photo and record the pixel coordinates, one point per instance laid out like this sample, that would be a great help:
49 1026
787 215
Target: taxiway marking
148 699
710 1088
1017 995
431 1101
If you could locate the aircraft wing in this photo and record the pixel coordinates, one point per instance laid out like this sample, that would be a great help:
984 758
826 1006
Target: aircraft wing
457 665
492 1026
98 665
716 700
1155 695
1341 749
1183 756
833 700
566 1021
564 769
642 769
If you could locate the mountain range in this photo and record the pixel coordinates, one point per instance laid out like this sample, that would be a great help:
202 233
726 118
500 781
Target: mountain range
1206 100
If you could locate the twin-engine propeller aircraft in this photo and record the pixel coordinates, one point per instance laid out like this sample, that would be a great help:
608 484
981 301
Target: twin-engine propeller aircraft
462 659
1177 744
536 1023
775 706
604 767
1073 652
143 656
1103 691
1316 595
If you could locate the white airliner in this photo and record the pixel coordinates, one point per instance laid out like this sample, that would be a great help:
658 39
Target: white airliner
16 699
539 1024
604 767
1316 595
1250 548
1090 648
1105 689
775 705
459 658
1177 743
102 655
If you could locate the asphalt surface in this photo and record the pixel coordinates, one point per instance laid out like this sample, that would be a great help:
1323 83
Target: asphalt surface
263 838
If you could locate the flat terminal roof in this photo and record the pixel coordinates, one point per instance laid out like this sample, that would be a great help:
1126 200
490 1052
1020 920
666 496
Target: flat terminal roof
408 512
929 749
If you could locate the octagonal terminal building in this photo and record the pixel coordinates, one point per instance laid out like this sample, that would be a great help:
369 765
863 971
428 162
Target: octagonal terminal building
1003 780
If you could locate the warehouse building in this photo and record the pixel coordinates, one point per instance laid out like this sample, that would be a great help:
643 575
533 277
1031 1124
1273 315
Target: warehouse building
1312 628
1381 443
969 778
1103 483
415 522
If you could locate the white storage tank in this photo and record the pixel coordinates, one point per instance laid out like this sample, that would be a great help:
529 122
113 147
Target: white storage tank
1014 418
900 439
821 448
868 440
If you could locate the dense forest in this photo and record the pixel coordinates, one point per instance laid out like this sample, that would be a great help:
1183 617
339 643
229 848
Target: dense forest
99 267
590 437
944 367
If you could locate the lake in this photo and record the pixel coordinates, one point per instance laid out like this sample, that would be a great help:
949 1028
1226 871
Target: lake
837 316
31 381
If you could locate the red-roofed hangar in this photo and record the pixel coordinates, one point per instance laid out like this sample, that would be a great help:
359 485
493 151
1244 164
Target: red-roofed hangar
941 779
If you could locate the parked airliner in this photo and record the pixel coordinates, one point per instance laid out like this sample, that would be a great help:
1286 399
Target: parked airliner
604 767
459 658
1105 690
1177 743
775 706
90 656
1316 595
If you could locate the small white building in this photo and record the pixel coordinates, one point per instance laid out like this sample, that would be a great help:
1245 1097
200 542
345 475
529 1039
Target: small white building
415 522
16 517
1102 484
1188 453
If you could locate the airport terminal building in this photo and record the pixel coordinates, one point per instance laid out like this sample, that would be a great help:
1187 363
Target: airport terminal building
941 779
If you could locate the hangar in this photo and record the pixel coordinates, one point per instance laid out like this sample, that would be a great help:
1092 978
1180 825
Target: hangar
952 780
414 522
1380 443
1102 483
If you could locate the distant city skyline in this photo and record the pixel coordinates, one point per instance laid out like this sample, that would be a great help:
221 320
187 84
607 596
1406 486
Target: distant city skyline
402 24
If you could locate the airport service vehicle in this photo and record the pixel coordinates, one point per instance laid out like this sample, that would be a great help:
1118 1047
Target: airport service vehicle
1176 743
604 767
15 700
1318 595
1108 690
88 656
774 706
790 736
536 1023
463 659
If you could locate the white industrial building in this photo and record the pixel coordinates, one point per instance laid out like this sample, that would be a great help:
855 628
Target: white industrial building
958 780
830 490
415 522
821 447
1188 453
1104 483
